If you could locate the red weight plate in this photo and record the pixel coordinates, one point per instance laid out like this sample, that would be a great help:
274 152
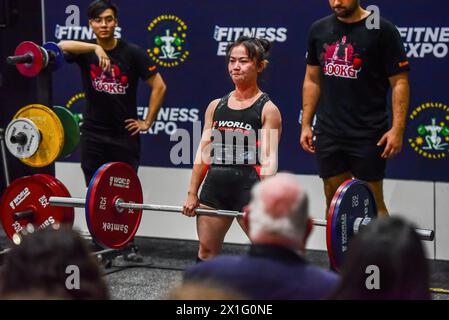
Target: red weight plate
69 216
29 193
69 213
34 68
63 213
110 228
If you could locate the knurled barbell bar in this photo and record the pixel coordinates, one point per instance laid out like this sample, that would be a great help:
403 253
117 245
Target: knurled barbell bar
114 207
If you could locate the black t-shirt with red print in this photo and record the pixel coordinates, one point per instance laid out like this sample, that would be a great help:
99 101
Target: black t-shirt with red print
356 63
111 96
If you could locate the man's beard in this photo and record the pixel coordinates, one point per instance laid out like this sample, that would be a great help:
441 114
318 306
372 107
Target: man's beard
349 11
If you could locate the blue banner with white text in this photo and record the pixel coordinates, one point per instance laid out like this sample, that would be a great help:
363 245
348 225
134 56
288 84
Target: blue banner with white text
193 66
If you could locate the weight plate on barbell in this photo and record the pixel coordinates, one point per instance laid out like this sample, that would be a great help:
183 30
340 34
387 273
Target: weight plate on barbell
29 193
22 138
69 213
56 54
35 67
108 227
71 130
52 134
352 199
46 58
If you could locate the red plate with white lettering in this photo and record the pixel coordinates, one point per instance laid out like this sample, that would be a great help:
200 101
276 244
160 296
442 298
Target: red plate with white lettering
69 213
33 68
108 227
29 193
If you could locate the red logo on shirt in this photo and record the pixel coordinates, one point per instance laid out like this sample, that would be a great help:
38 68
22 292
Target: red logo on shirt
112 82
340 60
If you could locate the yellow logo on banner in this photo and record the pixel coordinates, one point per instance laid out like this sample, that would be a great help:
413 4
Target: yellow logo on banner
74 99
168 39
430 123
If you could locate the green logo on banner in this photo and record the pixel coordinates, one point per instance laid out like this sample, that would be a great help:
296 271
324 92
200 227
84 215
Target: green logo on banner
430 130
168 40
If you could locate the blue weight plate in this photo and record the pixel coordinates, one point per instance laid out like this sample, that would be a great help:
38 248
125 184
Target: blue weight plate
58 56
353 199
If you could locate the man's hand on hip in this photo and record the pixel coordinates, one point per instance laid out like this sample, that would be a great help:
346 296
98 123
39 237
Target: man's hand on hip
136 126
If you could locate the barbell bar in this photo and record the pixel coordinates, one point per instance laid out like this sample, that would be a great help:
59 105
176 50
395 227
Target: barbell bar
424 234
120 205
114 204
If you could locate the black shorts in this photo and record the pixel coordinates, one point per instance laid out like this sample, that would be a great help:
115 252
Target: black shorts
100 148
361 157
228 187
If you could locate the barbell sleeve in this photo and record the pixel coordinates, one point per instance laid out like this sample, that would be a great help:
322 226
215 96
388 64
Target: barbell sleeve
22 215
425 234
19 138
26 58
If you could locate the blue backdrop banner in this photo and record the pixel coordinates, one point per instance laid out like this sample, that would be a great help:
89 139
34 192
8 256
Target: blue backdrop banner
186 39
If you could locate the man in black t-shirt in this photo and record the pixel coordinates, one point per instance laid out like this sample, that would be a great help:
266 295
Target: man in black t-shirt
350 69
110 71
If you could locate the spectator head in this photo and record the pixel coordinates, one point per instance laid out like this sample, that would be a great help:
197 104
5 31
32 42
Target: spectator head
392 247
54 262
279 212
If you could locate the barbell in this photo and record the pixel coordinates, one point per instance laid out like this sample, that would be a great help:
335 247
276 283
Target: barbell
38 135
113 206
30 59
